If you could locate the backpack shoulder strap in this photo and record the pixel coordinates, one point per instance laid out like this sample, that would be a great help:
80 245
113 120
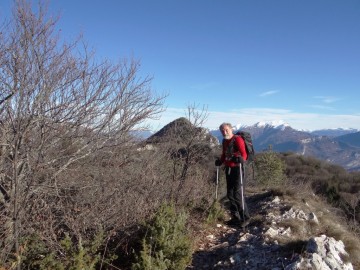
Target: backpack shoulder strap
233 145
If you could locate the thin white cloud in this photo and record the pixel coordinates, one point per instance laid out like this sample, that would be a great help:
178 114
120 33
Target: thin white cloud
301 121
263 110
327 99
322 107
251 116
268 93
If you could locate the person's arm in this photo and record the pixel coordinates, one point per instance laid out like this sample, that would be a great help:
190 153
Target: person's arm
240 144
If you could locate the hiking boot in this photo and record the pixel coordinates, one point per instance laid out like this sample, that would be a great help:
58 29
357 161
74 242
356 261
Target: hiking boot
245 222
233 222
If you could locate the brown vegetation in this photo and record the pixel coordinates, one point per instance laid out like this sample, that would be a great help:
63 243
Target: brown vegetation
339 187
68 164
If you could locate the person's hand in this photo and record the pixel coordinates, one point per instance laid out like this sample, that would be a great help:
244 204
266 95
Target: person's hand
218 162
236 159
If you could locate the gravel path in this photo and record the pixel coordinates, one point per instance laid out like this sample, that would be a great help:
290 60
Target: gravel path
224 247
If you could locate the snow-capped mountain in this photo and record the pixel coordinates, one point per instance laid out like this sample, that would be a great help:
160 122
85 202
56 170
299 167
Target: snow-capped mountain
281 137
342 150
279 124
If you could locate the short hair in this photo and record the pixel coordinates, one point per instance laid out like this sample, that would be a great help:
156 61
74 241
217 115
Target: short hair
225 124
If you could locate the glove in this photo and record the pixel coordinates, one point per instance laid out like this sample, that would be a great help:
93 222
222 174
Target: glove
236 159
218 162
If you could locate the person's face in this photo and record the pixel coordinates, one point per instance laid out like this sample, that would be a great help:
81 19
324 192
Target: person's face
227 132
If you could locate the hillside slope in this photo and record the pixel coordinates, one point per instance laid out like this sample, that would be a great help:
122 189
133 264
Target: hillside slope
352 139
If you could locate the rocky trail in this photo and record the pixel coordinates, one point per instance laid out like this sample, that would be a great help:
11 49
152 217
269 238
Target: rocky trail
261 245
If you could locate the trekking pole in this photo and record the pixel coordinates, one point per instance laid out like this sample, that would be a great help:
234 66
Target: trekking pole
217 182
242 191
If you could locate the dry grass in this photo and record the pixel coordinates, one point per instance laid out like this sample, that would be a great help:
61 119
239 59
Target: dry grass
332 221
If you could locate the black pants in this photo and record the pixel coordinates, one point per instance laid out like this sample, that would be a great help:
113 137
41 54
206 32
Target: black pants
233 186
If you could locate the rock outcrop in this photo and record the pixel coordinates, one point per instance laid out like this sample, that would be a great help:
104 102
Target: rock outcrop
323 253
267 243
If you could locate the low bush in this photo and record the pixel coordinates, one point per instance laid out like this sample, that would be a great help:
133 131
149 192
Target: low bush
70 256
270 169
215 213
166 244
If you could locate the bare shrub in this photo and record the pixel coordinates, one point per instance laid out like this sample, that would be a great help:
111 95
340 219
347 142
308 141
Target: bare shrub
187 148
351 203
61 111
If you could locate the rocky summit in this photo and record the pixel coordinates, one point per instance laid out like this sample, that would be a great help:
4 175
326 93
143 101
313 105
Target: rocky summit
280 235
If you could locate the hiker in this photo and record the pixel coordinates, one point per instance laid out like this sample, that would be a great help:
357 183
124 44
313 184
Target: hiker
233 153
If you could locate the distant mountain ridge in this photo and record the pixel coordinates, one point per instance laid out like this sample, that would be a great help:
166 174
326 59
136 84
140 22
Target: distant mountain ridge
342 150
334 132
338 146
350 139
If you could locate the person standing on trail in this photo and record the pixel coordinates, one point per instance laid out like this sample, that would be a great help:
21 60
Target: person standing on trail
233 153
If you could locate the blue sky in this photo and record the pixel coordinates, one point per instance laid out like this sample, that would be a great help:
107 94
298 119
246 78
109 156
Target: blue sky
246 61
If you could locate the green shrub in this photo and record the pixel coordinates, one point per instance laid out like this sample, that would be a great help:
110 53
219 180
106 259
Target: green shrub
81 257
332 195
36 255
166 244
215 213
74 256
270 169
